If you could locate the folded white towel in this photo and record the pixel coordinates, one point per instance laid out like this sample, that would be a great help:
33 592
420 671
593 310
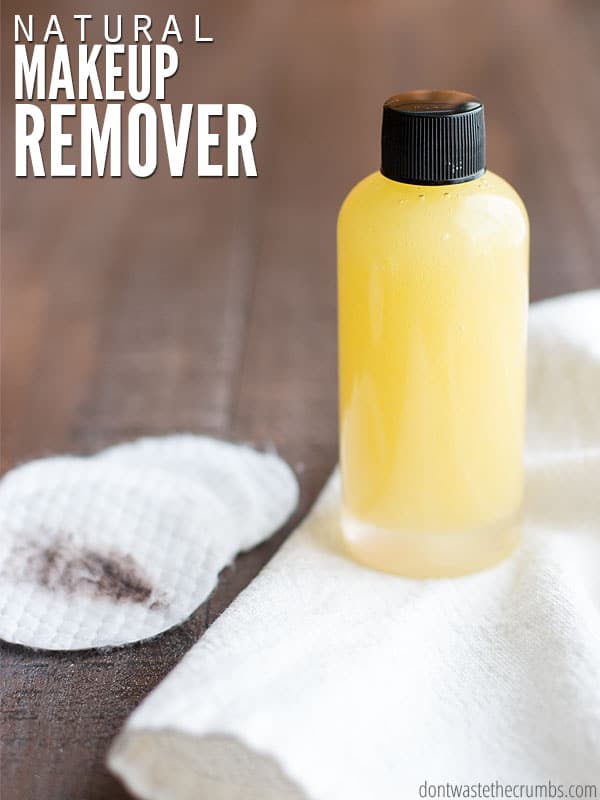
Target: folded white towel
328 681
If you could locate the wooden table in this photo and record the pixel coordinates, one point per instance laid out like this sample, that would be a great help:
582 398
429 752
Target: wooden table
149 306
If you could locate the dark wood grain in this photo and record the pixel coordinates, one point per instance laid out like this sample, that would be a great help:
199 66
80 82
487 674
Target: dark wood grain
143 307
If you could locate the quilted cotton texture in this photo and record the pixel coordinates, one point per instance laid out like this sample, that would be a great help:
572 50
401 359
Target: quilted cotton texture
327 681
119 547
258 489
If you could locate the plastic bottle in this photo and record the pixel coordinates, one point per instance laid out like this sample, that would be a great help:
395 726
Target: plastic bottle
433 258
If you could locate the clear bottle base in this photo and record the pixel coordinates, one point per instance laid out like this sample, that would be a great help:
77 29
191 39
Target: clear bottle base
429 555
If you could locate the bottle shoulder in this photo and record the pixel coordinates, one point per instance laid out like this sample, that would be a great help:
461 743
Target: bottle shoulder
502 188
488 203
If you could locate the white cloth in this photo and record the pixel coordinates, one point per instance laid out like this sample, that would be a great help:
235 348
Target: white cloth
119 547
327 681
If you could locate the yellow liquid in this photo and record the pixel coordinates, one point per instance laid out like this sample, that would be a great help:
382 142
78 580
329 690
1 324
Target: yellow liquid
432 293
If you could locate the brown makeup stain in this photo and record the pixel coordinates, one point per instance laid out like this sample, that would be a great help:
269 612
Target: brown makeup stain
63 565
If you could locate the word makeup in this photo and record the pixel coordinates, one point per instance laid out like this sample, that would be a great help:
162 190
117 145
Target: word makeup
99 100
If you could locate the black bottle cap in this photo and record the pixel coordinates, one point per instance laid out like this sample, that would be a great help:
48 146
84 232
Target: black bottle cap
433 138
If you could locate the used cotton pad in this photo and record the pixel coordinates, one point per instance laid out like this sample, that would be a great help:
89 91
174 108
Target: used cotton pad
100 552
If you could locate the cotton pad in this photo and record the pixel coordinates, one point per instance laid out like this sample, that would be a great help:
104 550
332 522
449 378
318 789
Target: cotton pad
104 551
258 488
